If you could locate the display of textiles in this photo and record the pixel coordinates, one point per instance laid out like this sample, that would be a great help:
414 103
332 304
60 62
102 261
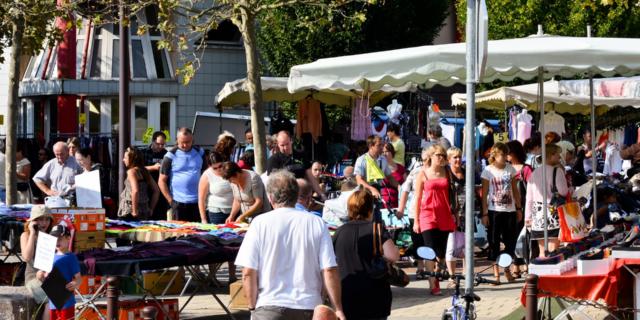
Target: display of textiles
230 233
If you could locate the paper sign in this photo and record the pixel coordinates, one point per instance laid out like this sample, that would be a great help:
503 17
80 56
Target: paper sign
501 137
88 193
45 252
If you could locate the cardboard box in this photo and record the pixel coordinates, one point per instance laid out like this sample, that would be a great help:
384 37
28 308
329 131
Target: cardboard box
593 267
156 281
86 240
83 219
90 284
237 298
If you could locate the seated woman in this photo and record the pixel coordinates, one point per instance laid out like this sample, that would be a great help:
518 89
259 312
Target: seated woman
39 221
363 297
249 195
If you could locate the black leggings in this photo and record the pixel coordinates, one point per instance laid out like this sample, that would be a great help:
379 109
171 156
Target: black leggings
502 228
436 239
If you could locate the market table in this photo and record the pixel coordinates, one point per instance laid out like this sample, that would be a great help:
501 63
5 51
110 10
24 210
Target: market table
186 252
610 287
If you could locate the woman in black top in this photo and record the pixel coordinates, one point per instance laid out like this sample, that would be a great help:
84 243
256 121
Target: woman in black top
362 296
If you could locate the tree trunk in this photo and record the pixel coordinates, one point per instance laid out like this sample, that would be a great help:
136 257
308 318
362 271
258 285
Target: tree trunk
254 86
13 105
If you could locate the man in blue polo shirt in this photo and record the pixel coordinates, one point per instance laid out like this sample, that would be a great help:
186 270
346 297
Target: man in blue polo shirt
179 176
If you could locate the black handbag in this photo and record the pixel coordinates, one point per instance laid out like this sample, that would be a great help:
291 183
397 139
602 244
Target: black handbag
380 267
556 199
22 186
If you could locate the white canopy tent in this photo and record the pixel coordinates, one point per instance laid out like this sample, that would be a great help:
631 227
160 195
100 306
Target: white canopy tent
445 64
527 97
275 89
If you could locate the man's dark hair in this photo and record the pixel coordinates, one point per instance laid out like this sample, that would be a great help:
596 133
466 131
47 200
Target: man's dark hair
158 134
394 128
247 131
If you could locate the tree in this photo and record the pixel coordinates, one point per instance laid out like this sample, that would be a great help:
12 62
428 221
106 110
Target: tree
519 18
24 26
286 37
185 24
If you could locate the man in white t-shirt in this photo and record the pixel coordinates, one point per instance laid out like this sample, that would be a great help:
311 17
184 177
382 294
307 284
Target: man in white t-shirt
287 256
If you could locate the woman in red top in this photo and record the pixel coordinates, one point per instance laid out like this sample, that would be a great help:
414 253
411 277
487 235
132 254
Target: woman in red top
434 219
390 194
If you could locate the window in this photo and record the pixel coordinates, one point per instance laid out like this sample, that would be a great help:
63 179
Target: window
141 119
152 114
226 32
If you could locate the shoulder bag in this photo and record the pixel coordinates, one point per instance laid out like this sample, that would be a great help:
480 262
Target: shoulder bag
380 267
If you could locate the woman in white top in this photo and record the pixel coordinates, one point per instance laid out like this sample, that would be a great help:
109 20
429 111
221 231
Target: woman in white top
534 207
215 197
23 174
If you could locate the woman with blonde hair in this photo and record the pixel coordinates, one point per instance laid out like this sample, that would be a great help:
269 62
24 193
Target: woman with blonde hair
434 215
226 143
534 206
501 209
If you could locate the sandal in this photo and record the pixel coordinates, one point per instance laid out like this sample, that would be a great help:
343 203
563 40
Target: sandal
509 276
420 275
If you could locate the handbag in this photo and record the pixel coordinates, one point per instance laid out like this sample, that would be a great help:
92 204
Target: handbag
573 227
380 267
22 186
556 199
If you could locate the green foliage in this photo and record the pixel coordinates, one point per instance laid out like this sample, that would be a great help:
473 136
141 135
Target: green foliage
38 17
519 18
300 33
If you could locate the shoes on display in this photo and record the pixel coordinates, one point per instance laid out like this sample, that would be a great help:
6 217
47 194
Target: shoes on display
596 254
631 236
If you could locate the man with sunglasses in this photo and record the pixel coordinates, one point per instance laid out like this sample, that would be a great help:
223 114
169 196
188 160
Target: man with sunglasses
152 159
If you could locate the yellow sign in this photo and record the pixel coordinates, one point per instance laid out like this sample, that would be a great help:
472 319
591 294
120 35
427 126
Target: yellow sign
1 119
501 137
83 118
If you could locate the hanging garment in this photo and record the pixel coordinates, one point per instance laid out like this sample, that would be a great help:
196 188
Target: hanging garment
394 110
379 119
554 123
612 161
523 126
360 120
309 119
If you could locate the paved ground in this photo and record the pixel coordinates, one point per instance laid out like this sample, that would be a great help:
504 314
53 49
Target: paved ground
412 302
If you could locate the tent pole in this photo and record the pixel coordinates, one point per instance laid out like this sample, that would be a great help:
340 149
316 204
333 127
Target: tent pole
545 207
471 54
594 159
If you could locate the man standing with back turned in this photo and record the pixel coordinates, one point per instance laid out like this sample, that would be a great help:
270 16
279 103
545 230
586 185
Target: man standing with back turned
287 255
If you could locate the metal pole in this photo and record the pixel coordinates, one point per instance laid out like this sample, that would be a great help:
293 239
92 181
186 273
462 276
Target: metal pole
469 143
594 159
544 156
545 207
124 134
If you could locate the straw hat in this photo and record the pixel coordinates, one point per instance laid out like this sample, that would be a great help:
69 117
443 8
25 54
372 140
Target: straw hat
38 211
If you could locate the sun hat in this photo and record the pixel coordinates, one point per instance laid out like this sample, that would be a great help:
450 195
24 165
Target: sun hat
38 211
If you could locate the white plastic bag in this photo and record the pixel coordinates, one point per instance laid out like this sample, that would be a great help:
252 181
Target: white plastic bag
520 243
480 234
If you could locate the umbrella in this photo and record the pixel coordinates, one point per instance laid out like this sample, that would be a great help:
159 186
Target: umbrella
275 89
527 97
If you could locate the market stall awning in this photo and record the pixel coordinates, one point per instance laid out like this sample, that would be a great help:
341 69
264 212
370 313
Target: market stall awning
445 64
620 87
275 89
527 97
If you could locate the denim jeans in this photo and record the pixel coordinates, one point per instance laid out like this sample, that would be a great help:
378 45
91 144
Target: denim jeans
280 313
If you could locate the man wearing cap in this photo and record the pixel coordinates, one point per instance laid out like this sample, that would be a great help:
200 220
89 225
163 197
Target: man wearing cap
57 174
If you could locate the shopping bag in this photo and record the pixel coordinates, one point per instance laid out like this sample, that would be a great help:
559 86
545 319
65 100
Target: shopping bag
480 234
458 244
573 227
521 244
